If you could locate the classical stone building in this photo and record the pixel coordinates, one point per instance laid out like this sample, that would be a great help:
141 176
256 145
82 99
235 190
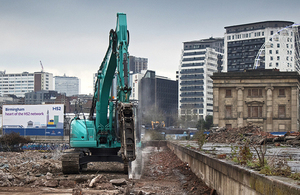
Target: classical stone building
266 98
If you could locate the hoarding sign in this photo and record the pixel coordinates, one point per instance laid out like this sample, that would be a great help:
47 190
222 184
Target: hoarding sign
29 120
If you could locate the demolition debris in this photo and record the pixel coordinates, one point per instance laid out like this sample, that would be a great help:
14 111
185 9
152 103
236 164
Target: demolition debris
253 134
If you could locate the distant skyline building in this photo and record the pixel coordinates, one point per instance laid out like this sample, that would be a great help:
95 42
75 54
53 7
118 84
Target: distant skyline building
198 62
43 81
243 43
40 97
158 92
137 64
20 83
136 78
68 85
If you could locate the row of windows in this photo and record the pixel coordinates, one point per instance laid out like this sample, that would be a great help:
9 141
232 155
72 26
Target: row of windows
195 82
189 71
192 94
253 93
277 64
239 67
15 75
245 35
192 88
190 106
195 76
192 64
246 42
195 111
194 53
191 100
196 46
278 45
193 59
256 34
240 55
256 111
289 52
249 60
278 58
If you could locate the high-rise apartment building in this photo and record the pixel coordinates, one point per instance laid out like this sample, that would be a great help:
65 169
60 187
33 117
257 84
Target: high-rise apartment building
20 83
137 64
68 85
43 81
261 45
198 62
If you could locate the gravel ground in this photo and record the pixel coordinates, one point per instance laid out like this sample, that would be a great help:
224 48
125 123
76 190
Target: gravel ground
159 172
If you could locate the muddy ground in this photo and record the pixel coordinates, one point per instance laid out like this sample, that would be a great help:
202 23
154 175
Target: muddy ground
33 172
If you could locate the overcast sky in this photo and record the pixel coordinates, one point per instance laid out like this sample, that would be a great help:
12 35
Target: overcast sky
71 36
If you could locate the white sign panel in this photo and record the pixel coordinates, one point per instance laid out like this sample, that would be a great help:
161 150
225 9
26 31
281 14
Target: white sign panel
34 119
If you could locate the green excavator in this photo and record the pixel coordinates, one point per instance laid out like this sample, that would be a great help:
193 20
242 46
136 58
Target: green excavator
109 135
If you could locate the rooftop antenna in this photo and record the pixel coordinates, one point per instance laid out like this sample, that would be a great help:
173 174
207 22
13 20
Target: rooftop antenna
42 66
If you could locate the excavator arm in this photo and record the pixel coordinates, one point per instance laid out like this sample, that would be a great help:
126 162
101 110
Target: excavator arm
112 129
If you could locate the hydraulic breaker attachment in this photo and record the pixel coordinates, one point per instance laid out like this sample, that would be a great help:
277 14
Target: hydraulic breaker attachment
127 131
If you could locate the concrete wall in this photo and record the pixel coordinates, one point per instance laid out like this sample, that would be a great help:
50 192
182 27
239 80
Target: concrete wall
229 179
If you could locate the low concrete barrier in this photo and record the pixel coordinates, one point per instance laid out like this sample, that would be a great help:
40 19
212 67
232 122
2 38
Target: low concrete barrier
230 179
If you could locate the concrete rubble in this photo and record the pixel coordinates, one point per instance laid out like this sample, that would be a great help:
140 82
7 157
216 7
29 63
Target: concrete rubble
35 171
253 134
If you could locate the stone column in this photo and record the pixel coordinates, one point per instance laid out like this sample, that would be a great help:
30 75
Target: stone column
269 110
216 107
294 108
240 106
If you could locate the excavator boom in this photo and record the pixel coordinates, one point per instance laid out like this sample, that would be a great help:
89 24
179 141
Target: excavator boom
110 135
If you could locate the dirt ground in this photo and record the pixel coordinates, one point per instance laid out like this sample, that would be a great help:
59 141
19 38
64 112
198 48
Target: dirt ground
157 172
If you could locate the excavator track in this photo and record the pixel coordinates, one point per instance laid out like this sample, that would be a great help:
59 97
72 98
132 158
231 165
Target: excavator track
70 162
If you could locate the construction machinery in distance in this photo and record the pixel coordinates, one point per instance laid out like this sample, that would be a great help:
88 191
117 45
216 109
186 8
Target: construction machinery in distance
110 135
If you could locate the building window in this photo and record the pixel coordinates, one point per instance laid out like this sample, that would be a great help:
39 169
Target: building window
271 57
281 92
228 111
281 111
254 111
228 93
254 92
270 51
271 32
278 45
270 64
277 51
278 57
277 64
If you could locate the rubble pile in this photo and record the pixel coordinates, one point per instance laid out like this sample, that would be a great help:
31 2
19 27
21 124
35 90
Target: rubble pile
253 134
36 171
21 168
